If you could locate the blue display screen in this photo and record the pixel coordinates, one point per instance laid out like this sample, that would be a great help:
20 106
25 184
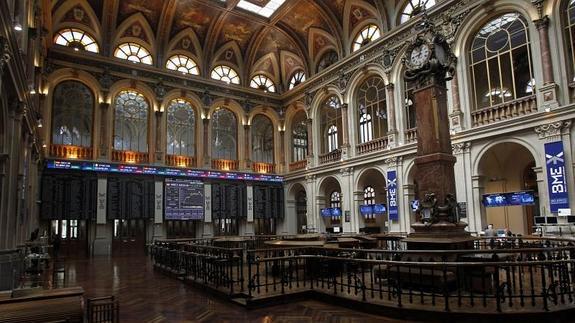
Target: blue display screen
158 170
331 211
509 199
372 209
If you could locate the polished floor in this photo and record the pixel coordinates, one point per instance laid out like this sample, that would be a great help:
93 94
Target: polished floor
148 296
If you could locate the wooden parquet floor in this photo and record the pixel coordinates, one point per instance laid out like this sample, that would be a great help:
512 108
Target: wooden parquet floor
149 296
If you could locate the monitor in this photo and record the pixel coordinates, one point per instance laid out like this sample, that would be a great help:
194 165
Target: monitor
551 220
336 229
539 220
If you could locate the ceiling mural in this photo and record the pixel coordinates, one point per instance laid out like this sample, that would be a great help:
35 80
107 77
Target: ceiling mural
150 9
304 28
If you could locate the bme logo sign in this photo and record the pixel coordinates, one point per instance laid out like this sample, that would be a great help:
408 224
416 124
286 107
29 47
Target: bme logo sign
556 177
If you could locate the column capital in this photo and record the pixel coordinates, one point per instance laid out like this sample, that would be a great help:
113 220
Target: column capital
390 86
539 5
553 130
542 23
461 147
104 106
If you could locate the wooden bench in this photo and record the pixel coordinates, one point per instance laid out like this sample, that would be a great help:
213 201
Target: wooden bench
54 305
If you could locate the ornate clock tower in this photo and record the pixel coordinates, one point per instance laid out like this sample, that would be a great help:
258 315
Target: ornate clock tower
429 63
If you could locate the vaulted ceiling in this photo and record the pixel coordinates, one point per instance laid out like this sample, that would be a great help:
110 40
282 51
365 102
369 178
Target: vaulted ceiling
295 37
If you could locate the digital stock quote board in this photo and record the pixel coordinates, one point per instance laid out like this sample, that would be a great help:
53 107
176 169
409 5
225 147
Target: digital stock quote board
184 199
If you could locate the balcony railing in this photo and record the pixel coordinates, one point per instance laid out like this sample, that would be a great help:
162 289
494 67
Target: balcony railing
504 111
371 146
297 165
132 157
72 152
225 164
180 161
263 168
330 157
410 135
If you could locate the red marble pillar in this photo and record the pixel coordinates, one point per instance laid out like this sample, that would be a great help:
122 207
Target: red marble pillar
247 145
390 99
207 163
103 131
434 161
309 123
543 29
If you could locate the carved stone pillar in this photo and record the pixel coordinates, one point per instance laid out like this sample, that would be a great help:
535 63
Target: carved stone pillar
392 123
159 156
282 163
456 116
207 161
247 145
549 88
345 131
103 131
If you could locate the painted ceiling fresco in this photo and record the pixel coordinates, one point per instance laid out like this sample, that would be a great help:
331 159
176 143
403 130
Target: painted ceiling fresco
303 28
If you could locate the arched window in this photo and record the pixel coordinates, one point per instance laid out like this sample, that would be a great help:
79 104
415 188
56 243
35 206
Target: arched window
368 195
226 74
501 61
296 79
131 122
409 101
224 135
331 122
262 139
372 108
263 83
327 60
77 39
335 199
570 36
365 36
182 63
181 128
299 137
134 53
72 111
414 7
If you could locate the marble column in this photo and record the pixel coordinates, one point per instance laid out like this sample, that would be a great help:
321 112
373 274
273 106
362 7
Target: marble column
456 115
206 161
542 25
391 119
282 162
247 145
159 155
103 130
345 131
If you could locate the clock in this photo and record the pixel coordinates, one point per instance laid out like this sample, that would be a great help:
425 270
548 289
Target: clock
419 56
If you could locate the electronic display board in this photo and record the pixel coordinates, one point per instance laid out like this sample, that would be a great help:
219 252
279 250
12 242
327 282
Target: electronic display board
509 199
184 199
159 170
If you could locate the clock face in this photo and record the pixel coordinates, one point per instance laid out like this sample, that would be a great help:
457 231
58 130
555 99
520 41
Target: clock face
419 55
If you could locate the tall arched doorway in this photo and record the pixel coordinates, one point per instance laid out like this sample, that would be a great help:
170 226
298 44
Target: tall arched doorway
371 190
505 168
301 211
330 189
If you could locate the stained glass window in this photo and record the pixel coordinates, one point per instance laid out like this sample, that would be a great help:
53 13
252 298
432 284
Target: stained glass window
224 134
181 128
131 122
331 123
299 137
72 112
262 139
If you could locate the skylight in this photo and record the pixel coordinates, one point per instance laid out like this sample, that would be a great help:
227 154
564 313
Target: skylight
266 11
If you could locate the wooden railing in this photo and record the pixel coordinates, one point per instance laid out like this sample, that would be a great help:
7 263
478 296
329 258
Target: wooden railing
72 152
180 161
371 146
300 164
263 168
225 164
504 111
330 157
132 157
410 135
